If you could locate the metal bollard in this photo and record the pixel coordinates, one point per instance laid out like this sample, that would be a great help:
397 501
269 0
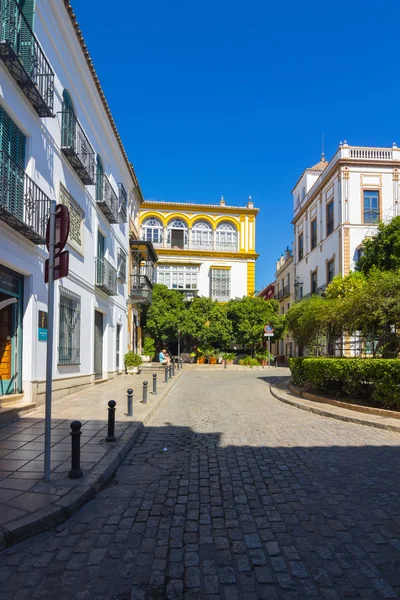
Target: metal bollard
130 402
166 375
225 364
181 364
170 371
76 471
173 368
145 384
111 421
154 384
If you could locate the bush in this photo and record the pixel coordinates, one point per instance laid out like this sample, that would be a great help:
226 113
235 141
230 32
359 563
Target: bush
373 380
249 362
149 347
132 360
229 356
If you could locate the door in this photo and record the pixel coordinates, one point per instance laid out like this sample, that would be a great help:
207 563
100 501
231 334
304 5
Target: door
177 238
6 351
117 345
98 345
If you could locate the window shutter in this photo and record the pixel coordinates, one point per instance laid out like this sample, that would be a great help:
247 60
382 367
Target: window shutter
12 146
99 180
28 10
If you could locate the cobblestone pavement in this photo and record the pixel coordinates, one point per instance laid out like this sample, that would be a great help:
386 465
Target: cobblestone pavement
229 494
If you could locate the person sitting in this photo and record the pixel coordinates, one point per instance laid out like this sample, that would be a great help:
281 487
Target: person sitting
164 358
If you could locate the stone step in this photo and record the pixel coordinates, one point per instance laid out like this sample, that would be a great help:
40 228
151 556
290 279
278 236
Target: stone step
14 411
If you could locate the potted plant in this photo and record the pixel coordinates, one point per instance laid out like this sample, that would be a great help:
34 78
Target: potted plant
149 349
201 359
132 362
213 357
229 357
262 356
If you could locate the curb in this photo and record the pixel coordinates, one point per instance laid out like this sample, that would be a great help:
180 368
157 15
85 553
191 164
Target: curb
54 514
326 413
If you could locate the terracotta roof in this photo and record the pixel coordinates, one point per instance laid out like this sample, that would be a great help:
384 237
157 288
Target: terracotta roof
101 93
320 166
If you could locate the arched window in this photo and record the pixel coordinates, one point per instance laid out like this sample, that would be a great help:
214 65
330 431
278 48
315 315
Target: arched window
152 230
99 179
227 237
177 234
68 122
202 235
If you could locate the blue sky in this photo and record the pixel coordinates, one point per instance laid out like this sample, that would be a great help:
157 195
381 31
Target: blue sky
231 98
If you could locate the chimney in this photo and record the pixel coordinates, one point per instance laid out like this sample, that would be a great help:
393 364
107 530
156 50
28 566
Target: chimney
250 203
222 201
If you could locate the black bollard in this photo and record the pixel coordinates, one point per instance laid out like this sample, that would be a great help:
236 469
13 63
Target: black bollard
173 368
154 384
130 402
181 364
166 375
76 471
225 364
145 384
111 421
170 371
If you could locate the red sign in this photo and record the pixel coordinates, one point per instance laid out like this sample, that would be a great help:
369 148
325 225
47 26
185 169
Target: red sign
62 228
61 266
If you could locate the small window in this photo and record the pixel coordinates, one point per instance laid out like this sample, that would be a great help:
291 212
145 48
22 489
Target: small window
69 336
301 246
313 234
329 218
301 292
76 219
153 231
371 206
330 271
220 284
288 306
121 265
314 283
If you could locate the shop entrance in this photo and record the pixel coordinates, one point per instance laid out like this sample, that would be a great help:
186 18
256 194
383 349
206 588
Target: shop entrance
10 332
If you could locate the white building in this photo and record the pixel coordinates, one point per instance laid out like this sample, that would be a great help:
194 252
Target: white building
284 293
58 140
203 249
338 204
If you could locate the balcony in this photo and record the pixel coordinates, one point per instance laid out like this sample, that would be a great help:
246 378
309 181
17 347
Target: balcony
106 198
106 277
24 58
283 293
123 203
23 205
76 147
141 289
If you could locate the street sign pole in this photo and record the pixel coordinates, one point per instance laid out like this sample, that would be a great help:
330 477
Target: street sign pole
49 357
179 344
269 352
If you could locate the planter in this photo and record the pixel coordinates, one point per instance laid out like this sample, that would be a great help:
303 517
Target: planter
201 360
212 360
146 358
133 370
229 362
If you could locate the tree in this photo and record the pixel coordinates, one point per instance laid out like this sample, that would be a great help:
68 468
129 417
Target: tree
207 322
340 286
249 315
166 313
382 251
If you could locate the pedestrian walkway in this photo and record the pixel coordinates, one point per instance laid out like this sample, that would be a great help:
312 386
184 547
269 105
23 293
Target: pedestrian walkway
24 497
229 494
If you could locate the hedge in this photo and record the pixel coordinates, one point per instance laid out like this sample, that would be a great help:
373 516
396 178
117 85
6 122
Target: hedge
376 381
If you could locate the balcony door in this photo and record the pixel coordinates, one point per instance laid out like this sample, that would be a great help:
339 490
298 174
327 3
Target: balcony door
12 166
177 238
100 257
98 345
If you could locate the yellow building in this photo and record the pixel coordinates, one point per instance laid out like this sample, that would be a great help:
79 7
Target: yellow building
203 249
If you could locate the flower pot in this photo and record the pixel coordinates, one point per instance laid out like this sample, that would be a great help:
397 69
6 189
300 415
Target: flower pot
133 370
212 360
201 360
146 358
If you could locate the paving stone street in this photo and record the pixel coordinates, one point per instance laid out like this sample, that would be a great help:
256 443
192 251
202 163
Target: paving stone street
229 494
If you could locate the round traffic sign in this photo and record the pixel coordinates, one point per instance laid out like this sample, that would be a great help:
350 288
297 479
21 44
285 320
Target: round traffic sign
268 329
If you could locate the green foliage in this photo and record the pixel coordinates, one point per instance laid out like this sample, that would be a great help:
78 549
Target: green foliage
207 322
132 360
250 314
342 287
249 361
376 381
312 321
228 356
149 347
166 314
382 251
263 354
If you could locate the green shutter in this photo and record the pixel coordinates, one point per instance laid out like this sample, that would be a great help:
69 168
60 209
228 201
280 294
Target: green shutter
99 180
12 165
27 42
100 257
68 125
9 20
28 10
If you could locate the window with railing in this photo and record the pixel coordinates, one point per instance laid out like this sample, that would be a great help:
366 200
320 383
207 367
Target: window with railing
202 235
329 218
121 265
76 219
313 234
330 270
301 246
123 203
226 237
69 337
178 277
220 284
371 206
153 231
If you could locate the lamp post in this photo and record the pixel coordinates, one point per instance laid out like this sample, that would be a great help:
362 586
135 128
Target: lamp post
179 344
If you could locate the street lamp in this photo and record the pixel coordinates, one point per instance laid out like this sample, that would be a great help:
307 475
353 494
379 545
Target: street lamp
179 343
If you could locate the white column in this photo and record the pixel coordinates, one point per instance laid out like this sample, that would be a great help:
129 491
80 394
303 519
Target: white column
190 238
214 233
165 236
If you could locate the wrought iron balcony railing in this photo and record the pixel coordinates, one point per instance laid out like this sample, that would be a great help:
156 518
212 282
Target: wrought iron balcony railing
106 277
106 198
23 205
141 289
24 58
123 203
76 147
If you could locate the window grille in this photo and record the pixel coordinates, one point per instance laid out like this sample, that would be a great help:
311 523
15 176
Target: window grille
153 231
202 235
227 237
220 284
177 277
121 265
69 349
76 216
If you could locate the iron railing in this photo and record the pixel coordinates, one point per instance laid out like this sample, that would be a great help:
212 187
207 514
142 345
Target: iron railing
141 289
106 277
77 148
24 58
23 205
106 198
283 292
123 203
121 262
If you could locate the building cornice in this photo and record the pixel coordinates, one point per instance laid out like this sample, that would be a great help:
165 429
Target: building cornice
207 208
166 253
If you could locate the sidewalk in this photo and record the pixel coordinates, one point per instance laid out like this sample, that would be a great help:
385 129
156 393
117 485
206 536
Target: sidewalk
28 504
282 392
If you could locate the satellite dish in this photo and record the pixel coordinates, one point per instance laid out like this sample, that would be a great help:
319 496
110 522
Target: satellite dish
7 302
